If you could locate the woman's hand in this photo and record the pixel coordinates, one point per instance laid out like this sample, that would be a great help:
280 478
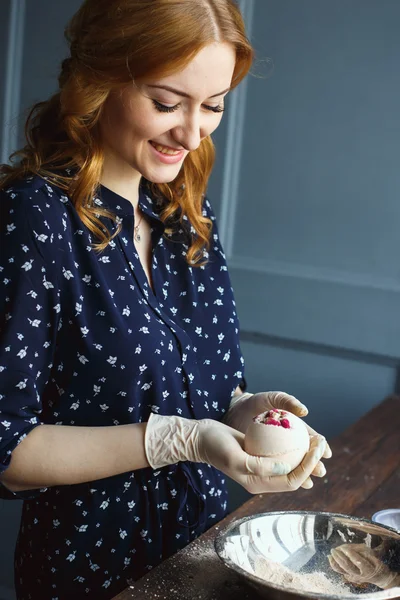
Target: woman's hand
223 447
243 408
172 439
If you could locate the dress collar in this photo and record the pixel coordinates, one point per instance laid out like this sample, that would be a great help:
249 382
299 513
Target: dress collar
120 206
108 199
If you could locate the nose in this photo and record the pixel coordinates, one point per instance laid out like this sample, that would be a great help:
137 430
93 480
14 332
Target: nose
189 132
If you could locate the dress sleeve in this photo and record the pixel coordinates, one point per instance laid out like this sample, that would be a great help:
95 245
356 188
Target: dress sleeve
29 319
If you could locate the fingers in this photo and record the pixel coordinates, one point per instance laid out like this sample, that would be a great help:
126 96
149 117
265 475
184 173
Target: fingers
265 467
364 559
287 402
264 475
257 480
328 451
301 474
308 484
319 470
335 566
344 562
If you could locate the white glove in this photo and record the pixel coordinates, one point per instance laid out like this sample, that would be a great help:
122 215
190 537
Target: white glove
243 408
172 439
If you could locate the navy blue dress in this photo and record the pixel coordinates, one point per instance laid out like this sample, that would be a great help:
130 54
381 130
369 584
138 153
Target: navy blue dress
86 342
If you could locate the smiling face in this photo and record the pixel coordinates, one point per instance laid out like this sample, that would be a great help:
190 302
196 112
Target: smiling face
148 129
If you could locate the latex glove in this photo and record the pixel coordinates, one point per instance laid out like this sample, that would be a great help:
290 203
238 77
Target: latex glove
243 408
172 439
361 564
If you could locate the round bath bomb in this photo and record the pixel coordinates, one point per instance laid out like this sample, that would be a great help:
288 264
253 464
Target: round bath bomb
278 434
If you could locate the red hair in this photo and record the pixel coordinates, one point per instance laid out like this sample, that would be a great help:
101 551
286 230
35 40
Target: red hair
110 42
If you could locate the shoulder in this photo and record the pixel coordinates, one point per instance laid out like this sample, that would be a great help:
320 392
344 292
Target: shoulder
34 194
208 210
215 242
31 206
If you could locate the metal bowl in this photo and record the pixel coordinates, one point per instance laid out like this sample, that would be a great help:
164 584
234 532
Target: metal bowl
295 554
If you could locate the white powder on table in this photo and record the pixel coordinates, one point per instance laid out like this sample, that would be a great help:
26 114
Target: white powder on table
316 582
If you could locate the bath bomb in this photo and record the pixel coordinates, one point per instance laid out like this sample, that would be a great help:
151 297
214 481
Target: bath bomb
278 434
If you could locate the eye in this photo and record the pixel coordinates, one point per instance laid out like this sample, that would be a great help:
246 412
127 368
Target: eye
216 109
169 109
163 108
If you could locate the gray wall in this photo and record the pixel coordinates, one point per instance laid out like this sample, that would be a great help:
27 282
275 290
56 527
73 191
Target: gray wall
313 254
5 42
306 188
311 218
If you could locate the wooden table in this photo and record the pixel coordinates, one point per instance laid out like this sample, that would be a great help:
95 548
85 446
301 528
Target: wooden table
363 476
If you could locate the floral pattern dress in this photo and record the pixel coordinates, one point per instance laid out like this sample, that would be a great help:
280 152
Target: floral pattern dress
86 342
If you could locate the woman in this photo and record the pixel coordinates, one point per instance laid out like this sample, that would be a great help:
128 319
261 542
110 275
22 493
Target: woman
120 347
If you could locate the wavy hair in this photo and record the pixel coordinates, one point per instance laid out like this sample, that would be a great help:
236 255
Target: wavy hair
110 42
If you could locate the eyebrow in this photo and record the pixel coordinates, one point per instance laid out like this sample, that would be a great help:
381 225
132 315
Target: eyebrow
184 94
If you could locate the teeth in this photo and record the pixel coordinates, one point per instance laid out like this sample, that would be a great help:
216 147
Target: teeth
165 150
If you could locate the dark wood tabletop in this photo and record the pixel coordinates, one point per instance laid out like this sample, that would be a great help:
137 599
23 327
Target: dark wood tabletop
363 476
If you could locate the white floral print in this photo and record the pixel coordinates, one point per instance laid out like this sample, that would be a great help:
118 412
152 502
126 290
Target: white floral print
85 341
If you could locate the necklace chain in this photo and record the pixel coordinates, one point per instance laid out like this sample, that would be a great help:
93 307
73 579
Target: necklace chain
136 234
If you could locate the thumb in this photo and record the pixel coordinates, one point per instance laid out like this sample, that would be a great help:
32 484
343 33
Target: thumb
287 402
261 466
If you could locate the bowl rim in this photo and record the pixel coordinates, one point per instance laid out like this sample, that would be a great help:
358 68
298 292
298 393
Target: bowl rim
218 545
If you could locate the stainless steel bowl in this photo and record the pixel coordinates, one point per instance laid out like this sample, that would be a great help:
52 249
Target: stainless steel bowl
313 555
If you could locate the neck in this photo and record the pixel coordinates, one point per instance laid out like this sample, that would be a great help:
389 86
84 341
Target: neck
121 178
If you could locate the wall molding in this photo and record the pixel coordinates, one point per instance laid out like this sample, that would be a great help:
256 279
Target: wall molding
359 356
233 151
13 76
362 319
311 273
